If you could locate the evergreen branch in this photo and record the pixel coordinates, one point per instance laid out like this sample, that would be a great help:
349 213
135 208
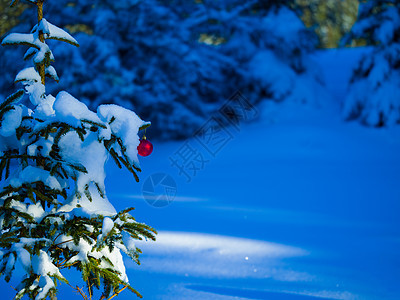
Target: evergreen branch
63 40
134 291
121 145
63 131
4 110
16 156
76 166
18 213
101 192
6 191
87 193
62 279
11 234
51 75
144 126
30 53
121 213
94 123
52 127
123 150
7 168
21 130
41 194
14 43
12 99
65 176
54 171
14 2
129 167
3 163
81 133
114 155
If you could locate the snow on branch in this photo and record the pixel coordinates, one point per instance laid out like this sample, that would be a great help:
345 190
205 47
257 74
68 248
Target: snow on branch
14 2
27 74
20 39
51 31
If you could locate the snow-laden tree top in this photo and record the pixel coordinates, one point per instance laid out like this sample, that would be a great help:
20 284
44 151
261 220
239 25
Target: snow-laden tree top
373 96
54 210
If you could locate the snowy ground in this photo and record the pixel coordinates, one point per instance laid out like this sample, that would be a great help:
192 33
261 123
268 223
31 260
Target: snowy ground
298 205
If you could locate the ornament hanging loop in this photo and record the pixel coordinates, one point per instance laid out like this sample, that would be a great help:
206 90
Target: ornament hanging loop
144 134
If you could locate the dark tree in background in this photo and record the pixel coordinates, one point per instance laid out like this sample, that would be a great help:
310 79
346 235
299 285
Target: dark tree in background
374 94
176 62
330 19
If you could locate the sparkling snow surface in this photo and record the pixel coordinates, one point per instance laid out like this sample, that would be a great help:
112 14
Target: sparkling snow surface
299 205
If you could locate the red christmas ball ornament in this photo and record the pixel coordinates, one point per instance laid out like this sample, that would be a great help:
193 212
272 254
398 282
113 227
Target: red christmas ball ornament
145 147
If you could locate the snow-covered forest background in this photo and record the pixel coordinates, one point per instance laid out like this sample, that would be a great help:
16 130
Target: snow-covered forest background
295 192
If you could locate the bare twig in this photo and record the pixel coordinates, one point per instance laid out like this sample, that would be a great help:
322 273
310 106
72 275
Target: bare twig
57 237
80 291
89 289
56 245
117 292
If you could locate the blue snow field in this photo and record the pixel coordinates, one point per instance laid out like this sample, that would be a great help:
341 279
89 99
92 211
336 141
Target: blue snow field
297 205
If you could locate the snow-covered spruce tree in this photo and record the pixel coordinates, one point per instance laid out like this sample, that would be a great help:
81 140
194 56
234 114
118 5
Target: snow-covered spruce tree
269 43
374 90
54 211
